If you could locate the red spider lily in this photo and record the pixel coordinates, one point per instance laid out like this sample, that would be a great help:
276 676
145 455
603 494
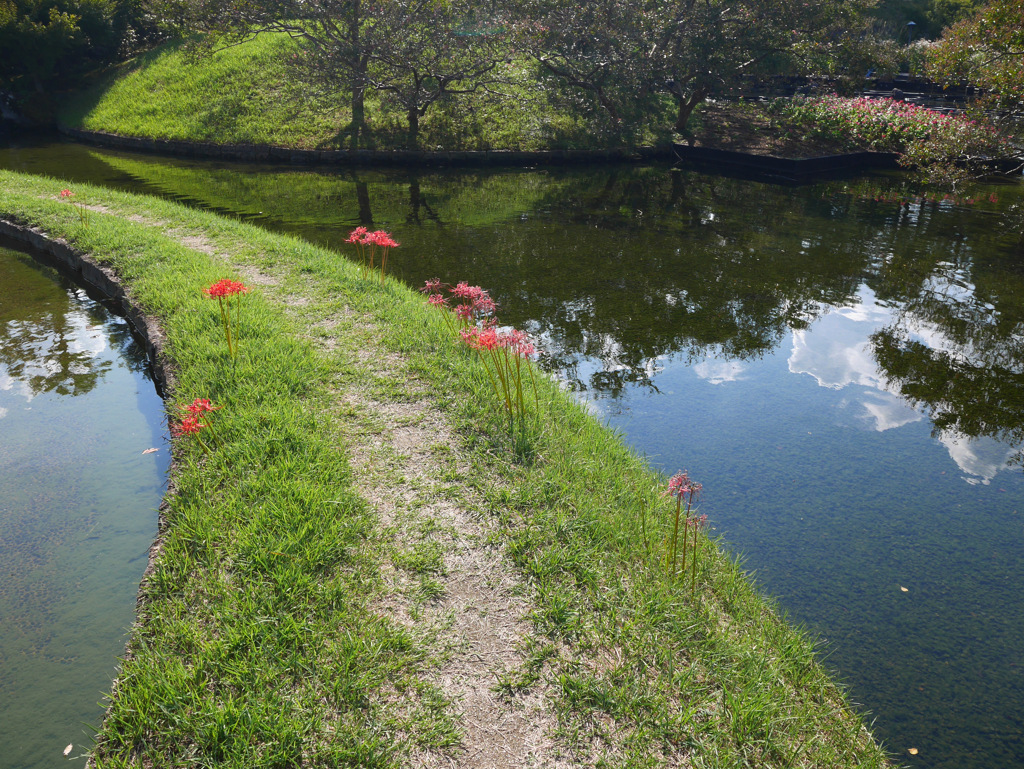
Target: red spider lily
682 487
67 194
382 239
223 290
356 236
368 243
225 287
190 425
432 287
200 406
437 300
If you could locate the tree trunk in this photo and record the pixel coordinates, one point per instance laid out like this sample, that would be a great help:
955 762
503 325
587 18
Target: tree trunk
414 128
686 106
358 74
358 114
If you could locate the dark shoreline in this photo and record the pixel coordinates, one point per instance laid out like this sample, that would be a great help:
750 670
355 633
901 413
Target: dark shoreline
288 155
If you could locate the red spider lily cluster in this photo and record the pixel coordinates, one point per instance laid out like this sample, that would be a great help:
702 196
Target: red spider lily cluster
192 424
67 194
224 288
490 338
505 352
684 489
371 245
471 304
222 291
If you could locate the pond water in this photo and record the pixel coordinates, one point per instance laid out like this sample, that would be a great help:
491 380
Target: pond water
78 500
840 364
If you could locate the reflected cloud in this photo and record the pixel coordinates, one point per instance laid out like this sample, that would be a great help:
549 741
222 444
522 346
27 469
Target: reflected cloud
887 411
981 458
838 354
836 351
719 371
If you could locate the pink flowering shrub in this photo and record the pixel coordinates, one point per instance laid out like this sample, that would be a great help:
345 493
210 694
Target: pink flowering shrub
945 148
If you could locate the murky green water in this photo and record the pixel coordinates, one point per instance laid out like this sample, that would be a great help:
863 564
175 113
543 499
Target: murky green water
78 503
841 365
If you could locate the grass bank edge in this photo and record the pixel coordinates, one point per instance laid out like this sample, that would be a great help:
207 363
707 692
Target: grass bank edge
640 673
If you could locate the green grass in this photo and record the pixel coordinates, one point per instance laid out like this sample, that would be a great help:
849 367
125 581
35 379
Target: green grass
260 642
245 94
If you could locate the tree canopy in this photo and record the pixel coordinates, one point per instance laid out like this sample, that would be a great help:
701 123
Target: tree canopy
43 42
986 50
624 51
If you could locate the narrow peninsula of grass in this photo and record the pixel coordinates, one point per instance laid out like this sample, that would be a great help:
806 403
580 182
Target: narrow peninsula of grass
246 95
292 615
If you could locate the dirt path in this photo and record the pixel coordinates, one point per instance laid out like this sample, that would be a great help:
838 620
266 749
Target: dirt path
447 580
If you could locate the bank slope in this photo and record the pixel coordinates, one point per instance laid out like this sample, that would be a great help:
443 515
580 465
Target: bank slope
363 569
247 95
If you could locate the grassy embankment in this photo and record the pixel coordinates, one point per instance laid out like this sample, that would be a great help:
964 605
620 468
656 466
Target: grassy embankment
246 94
269 633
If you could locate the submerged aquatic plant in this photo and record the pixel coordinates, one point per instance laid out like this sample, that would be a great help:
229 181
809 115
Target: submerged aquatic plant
222 291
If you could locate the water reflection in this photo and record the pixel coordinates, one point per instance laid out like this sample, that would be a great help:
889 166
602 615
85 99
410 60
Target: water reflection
77 507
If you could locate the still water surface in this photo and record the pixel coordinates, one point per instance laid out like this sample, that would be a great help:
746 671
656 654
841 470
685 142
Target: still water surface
841 365
78 503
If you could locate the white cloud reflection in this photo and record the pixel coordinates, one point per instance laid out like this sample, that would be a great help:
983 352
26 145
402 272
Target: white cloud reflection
837 353
719 371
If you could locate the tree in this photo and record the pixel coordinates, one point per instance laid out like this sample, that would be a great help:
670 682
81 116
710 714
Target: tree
420 51
417 51
985 50
624 51
46 42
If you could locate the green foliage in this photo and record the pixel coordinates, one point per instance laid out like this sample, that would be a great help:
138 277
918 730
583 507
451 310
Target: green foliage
625 54
986 50
46 42
930 17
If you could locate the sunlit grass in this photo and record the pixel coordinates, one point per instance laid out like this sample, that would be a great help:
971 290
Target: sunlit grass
258 644
246 94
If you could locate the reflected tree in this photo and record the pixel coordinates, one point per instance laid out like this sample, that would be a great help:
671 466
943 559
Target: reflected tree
956 349
49 337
